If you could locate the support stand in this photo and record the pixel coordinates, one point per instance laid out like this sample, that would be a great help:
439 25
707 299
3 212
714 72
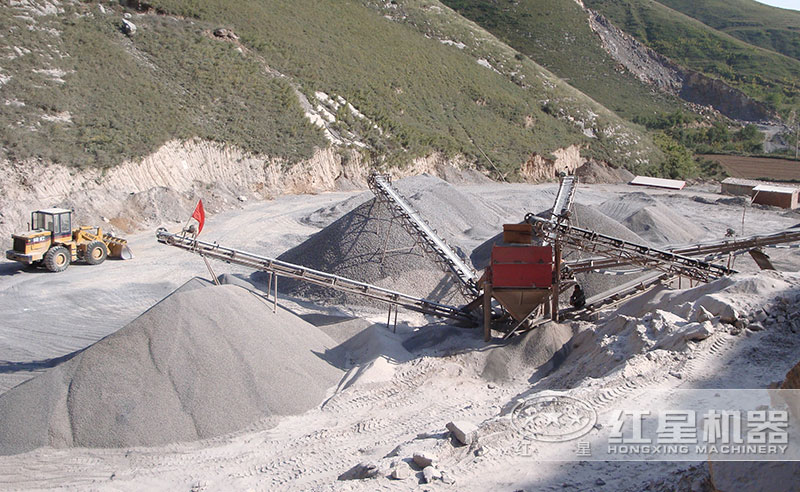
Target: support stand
487 311
556 280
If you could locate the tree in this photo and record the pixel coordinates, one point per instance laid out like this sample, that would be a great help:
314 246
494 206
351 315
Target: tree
679 162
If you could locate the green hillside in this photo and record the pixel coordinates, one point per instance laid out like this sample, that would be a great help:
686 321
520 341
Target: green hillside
556 34
81 92
758 24
764 75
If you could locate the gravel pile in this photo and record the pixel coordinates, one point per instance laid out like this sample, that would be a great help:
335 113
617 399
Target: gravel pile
590 218
540 350
205 361
651 219
366 244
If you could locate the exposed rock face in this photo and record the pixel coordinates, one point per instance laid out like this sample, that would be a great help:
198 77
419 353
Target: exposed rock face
657 70
540 168
699 89
647 65
186 171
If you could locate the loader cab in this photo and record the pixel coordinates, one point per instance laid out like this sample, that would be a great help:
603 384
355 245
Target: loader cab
56 220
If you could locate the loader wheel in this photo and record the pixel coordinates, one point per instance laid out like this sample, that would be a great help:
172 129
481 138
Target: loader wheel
96 253
57 259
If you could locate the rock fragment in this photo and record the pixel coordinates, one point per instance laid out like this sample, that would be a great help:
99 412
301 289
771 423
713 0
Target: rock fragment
423 459
429 474
465 432
128 27
702 315
401 472
361 471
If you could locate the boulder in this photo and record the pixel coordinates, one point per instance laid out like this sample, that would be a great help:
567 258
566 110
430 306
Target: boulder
698 331
702 314
423 459
225 33
718 306
464 432
128 27
446 478
401 472
429 474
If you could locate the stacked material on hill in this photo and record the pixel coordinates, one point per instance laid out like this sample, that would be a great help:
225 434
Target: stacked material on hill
369 245
739 186
206 360
667 320
763 192
670 184
652 219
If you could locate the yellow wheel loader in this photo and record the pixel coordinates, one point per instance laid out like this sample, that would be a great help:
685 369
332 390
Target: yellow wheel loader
51 241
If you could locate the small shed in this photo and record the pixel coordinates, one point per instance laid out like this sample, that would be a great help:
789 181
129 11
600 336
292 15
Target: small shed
739 186
776 196
670 184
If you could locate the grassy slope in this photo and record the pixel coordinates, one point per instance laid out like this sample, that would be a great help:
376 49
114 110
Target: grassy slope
758 24
126 96
615 140
557 35
423 93
764 75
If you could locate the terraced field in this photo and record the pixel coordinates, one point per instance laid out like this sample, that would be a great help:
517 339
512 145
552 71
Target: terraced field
758 167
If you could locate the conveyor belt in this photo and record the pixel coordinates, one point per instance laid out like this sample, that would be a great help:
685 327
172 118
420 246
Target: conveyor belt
617 295
564 197
316 277
707 251
416 226
628 252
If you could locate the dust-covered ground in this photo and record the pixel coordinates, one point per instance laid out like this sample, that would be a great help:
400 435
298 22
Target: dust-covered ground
399 388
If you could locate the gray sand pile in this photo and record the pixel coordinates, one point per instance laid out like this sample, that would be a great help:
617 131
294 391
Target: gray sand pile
540 350
367 245
590 218
206 360
652 219
482 255
323 217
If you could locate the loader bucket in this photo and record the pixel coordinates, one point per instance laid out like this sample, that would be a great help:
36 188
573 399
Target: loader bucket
117 248
126 253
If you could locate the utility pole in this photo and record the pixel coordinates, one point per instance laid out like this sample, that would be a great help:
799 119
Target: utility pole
796 125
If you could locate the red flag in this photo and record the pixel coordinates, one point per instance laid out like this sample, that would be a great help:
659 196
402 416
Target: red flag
200 216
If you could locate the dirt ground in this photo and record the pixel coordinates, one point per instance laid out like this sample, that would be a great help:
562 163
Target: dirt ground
758 167
418 379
